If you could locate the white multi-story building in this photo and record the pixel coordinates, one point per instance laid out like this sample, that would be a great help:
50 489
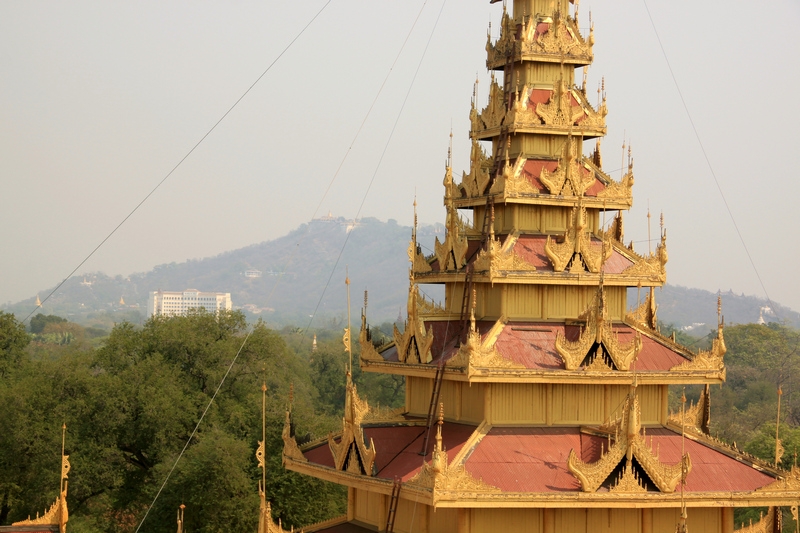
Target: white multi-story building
168 303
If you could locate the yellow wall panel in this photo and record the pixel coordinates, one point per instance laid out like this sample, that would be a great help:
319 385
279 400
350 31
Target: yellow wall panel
509 520
614 521
368 506
443 521
512 403
572 521
650 403
418 395
472 402
523 301
578 404
411 517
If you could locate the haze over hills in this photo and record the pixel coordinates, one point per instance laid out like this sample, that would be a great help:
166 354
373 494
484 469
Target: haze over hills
295 269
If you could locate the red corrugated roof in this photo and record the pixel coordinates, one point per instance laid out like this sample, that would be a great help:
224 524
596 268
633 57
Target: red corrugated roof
531 249
398 448
532 345
535 460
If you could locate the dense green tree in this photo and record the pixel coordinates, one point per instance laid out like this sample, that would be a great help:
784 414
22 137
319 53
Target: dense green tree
13 341
40 321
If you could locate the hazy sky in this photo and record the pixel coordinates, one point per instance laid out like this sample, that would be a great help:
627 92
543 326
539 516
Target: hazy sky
99 100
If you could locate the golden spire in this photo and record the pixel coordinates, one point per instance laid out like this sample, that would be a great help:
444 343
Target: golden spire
346 339
180 517
121 301
38 301
778 445
314 343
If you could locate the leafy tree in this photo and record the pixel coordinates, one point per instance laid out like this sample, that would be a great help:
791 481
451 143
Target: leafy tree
13 341
40 321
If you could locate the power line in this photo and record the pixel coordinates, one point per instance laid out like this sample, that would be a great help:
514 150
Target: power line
705 154
184 158
378 166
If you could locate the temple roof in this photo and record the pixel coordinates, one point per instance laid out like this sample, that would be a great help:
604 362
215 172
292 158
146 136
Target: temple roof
532 351
531 249
534 460
399 448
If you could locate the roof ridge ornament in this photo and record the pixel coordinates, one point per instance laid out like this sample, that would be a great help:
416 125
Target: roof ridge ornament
598 341
577 252
351 453
629 444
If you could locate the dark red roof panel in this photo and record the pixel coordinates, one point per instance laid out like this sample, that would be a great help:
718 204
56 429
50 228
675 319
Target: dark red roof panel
532 345
535 460
398 448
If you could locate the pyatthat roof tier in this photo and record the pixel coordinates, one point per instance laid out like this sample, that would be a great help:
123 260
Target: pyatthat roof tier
532 352
516 466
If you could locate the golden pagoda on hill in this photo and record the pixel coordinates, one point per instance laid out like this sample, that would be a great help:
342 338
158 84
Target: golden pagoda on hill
552 397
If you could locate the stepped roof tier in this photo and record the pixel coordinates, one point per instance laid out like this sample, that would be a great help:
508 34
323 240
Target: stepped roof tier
553 396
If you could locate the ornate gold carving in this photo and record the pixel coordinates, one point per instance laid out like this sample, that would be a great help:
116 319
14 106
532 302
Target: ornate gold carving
559 111
290 448
653 266
495 111
561 40
522 114
265 521
512 181
480 352
708 360
577 252
697 417
619 189
475 183
440 476
790 482
57 514
501 257
629 444
453 251
569 178
351 453
628 482
414 344
368 351
765 524
505 46
646 314
598 335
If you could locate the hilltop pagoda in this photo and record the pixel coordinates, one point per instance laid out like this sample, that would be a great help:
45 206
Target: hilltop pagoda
535 400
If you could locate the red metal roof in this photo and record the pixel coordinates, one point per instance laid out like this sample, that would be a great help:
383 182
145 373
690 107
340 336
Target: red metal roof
398 448
532 345
535 460
531 249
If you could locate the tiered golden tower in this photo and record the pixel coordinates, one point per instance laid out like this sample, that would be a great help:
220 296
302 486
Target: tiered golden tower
552 398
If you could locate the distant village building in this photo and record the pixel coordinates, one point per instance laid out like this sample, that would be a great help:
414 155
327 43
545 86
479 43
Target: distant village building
253 273
167 303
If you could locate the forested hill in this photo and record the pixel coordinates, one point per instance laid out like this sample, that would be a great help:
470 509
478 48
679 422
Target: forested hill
295 269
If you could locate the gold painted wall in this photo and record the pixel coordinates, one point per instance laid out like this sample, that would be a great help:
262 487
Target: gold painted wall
545 302
462 402
411 517
368 507
512 403
527 404
707 520
558 521
509 520
443 521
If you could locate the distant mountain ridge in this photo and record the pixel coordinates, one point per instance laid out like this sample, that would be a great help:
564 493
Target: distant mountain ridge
283 281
